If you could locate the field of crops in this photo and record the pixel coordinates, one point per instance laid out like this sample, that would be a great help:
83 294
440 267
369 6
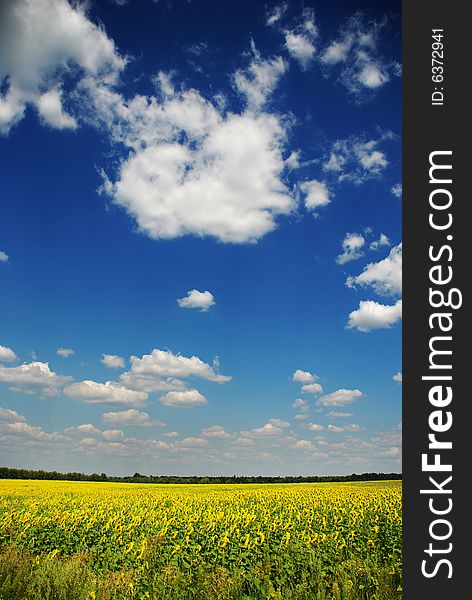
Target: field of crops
104 540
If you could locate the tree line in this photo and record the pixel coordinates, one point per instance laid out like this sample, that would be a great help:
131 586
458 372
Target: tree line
11 473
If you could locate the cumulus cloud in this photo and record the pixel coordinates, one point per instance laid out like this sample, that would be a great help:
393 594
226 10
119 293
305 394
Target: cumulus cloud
353 428
352 244
304 376
316 194
35 58
385 276
85 429
184 398
312 426
6 354
34 374
355 59
112 361
299 41
10 416
196 299
373 315
380 243
301 405
341 397
216 431
335 414
397 190
110 392
131 416
65 352
112 435
257 82
356 159
311 388
31 432
3 256
398 377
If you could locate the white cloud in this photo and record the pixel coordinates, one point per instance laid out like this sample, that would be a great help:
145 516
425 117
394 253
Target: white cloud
356 159
380 243
304 445
127 417
299 41
162 363
215 431
398 377
110 392
312 388
301 405
304 376
193 442
385 276
316 194
276 14
10 416
341 397
65 352
312 426
36 374
35 57
397 190
171 434
268 429
257 82
196 299
85 429
355 57
185 398
112 361
22 429
334 414
112 435
279 423
373 315
3 256
6 354
352 428
352 244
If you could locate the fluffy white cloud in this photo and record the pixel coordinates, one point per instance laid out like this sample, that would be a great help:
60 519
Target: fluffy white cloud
354 56
373 315
131 416
10 416
22 429
35 374
312 388
341 397
6 354
352 428
299 41
312 426
316 194
304 376
385 276
397 190
356 159
215 431
92 392
335 414
398 377
268 429
112 361
65 352
112 435
274 16
162 363
259 80
304 445
3 256
196 299
380 243
301 405
352 244
185 398
85 429
35 57
228 185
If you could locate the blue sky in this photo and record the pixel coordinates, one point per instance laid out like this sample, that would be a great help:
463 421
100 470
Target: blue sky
200 243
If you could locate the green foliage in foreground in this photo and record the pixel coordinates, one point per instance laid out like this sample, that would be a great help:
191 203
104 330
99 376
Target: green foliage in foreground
295 573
